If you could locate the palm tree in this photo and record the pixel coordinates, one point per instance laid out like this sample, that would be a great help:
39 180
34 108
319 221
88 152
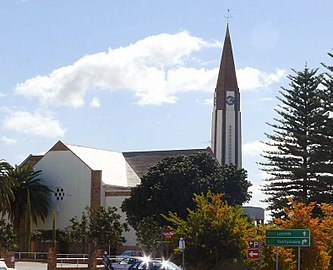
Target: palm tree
27 181
6 193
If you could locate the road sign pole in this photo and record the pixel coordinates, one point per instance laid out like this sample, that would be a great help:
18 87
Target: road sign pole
277 258
259 262
182 249
299 259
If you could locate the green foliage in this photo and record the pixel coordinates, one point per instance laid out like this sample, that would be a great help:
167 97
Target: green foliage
27 179
148 235
171 184
6 193
297 164
215 233
101 226
8 237
77 230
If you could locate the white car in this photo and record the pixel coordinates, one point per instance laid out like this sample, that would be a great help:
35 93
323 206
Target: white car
154 264
3 266
125 263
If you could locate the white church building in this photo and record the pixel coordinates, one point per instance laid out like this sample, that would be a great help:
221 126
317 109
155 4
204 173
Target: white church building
81 176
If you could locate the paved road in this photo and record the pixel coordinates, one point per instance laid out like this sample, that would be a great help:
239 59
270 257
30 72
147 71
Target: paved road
30 266
43 266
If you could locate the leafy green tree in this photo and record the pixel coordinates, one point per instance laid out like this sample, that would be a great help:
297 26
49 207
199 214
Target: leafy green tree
148 235
6 193
215 233
295 163
171 184
8 237
77 230
101 226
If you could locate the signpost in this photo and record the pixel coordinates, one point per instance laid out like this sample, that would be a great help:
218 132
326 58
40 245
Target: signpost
254 250
182 249
288 238
167 234
254 243
253 253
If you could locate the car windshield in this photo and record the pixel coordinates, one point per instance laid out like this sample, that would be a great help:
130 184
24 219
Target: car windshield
127 261
132 253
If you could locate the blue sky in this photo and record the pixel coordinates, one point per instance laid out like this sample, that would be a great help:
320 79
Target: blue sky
140 75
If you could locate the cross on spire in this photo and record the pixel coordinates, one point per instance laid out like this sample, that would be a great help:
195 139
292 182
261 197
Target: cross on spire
228 16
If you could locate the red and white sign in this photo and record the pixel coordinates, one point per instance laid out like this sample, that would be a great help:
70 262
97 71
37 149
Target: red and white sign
167 234
253 253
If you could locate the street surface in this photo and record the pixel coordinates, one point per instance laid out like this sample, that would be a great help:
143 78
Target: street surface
30 266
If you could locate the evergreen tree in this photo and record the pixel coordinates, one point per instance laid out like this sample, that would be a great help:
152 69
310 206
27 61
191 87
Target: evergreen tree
325 148
296 164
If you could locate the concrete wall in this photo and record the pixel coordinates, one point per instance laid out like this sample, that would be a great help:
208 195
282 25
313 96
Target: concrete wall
70 179
116 201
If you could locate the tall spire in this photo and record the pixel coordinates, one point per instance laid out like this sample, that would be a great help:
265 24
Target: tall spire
227 74
226 117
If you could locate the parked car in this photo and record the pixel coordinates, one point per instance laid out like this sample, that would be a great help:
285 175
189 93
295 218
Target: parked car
125 263
154 264
131 253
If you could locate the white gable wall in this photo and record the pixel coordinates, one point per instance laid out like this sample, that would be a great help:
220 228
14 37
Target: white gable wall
64 170
116 201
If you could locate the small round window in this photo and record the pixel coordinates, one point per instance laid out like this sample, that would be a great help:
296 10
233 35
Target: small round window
59 194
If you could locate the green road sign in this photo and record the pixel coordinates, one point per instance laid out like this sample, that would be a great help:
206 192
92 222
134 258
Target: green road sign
289 238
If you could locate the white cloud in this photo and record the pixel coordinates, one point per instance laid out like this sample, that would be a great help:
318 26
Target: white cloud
251 78
209 101
153 69
2 94
8 141
94 103
38 123
255 148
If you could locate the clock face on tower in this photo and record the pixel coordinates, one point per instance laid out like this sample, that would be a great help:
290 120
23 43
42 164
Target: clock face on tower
230 100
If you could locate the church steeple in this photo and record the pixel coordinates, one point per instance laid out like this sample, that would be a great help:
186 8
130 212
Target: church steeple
226 117
227 74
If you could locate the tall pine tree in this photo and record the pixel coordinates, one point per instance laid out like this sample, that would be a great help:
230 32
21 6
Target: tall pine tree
325 138
295 164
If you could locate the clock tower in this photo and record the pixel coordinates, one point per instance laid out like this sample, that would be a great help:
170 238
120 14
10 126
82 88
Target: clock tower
226 117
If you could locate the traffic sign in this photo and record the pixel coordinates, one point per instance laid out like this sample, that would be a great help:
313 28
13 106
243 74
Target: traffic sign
254 243
290 238
181 244
253 253
167 234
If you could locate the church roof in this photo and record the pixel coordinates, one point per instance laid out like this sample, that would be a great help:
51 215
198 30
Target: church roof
227 79
123 169
112 164
142 161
